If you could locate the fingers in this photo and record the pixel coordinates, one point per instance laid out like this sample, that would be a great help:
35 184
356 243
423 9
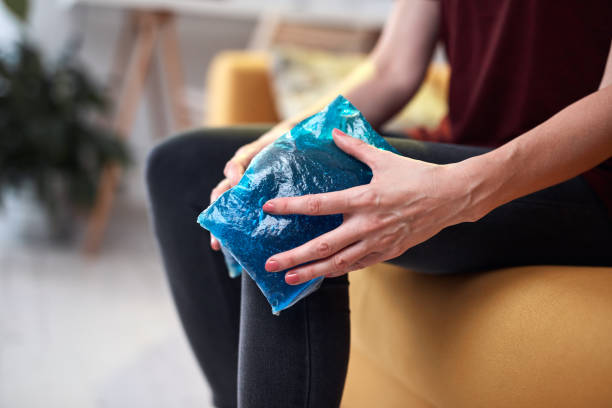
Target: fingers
221 188
337 202
370 259
321 247
235 167
214 243
233 171
337 264
357 148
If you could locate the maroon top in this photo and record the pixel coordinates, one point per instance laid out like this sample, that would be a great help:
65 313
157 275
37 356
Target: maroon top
515 63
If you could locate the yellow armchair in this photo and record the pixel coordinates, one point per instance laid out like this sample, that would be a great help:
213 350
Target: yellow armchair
518 337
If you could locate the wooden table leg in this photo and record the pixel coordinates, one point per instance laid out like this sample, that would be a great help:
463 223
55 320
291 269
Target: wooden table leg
171 57
123 49
147 29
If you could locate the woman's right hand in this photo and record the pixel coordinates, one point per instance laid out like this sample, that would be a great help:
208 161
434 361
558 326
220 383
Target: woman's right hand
236 166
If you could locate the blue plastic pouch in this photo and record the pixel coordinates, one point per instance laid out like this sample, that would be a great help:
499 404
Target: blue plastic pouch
303 161
233 267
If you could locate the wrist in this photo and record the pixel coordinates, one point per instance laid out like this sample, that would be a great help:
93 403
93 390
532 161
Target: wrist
480 185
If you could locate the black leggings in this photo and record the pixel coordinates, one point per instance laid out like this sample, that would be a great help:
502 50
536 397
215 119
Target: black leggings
252 358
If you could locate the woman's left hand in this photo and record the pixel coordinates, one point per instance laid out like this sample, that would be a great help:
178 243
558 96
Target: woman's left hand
407 202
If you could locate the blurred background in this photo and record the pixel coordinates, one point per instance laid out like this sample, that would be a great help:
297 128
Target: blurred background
87 87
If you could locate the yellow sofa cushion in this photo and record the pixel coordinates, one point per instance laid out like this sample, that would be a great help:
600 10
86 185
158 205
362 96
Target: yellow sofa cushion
518 337
238 90
301 77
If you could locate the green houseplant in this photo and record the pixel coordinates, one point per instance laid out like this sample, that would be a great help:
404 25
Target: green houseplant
52 142
18 7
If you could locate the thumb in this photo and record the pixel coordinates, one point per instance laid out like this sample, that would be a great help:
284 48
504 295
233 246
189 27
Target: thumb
357 148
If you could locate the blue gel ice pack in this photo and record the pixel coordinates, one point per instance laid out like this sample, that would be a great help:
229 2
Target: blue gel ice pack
233 267
303 161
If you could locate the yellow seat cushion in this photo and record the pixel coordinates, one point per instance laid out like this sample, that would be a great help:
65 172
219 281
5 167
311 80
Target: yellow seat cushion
238 90
518 337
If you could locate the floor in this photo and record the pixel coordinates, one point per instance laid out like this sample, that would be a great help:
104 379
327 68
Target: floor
91 333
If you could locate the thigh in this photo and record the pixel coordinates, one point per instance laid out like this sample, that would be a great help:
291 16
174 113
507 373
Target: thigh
190 165
565 224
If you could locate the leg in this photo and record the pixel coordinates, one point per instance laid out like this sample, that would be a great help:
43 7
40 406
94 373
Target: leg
180 175
565 224
296 359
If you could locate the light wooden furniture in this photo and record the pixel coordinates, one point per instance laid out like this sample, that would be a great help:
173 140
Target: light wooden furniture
143 33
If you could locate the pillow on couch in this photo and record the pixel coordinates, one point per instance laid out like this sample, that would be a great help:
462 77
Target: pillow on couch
300 77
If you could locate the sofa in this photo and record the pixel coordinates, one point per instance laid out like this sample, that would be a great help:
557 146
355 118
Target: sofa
532 336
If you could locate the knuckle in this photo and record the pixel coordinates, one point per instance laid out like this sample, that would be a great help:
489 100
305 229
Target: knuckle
368 197
395 252
371 225
242 150
307 274
371 258
314 205
340 263
387 240
215 194
231 168
287 261
283 204
323 249
387 217
379 221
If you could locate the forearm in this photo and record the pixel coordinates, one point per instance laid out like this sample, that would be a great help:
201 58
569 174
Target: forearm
574 140
364 74
380 96
376 93
392 74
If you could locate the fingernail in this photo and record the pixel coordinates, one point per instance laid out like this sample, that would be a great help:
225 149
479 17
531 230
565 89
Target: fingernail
269 206
272 265
292 278
338 132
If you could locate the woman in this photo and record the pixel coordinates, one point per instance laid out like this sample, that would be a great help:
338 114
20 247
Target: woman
523 177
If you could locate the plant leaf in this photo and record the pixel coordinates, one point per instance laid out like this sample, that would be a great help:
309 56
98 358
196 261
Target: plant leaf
18 8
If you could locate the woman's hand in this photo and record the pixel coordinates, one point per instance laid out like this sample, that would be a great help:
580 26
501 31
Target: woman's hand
236 166
407 202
